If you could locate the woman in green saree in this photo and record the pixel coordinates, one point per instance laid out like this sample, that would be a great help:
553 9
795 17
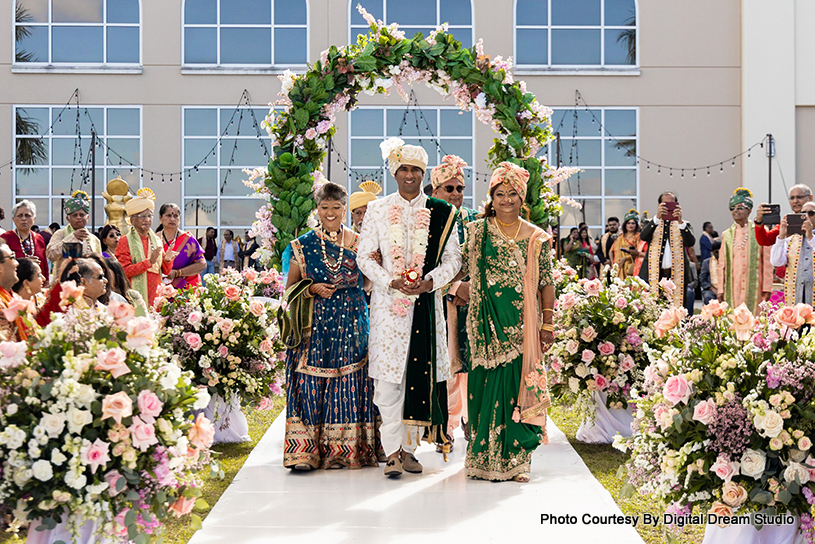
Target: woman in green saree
509 327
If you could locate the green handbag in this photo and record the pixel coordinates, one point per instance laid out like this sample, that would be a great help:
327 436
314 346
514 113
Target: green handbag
295 324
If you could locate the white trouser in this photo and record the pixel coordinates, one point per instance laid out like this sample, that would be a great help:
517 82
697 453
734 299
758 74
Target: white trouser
390 399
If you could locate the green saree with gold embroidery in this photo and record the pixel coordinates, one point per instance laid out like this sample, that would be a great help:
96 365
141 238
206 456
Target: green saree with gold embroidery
499 448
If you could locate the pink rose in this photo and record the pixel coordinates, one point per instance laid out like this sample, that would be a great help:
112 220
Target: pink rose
226 325
588 334
311 133
122 312
621 303
112 478
232 292
223 351
193 340
588 356
69 293
96 454
788 316
601 382
668 285
712 309
119 527
250 274
265 346
805 312
567 301
195 318
12 354
663 416
257 308
557 275
556 365
118 406
571 346
724 469
676 389
627 363
149 405
141 332
743 323
592 287
605 348
18 307
113 361
201 433
705 412
183 505
142 434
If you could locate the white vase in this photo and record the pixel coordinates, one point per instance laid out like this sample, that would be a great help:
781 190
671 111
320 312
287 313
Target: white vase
607 423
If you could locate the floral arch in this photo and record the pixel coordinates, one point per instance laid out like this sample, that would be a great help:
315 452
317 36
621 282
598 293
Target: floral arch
380 61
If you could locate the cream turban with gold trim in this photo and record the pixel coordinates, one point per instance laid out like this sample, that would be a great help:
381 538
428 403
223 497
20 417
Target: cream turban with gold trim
145 199
368 193
398 153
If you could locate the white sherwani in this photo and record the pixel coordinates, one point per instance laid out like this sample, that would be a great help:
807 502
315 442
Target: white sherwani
389 338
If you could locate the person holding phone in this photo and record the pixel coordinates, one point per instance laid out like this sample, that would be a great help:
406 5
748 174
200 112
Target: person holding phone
667 236
795 252
745 273
798 196
77 208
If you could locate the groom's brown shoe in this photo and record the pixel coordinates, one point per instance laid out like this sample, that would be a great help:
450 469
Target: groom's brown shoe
410 463
393 466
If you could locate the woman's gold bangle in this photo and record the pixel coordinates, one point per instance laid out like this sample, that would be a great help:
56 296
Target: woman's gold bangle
548 327
547 310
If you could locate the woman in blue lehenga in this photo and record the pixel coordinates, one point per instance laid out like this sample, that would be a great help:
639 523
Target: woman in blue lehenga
329 398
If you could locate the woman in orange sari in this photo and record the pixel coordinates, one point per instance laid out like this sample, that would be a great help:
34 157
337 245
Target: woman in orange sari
628 251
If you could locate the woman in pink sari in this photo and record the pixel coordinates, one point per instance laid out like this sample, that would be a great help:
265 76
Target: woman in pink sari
189 261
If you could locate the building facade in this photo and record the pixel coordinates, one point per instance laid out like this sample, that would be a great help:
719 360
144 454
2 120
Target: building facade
648 96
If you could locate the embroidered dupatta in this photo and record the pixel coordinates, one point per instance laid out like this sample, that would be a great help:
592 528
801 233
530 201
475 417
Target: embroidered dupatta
791 275
677 261
134 241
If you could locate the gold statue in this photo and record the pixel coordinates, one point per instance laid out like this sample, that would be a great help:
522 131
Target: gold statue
117 194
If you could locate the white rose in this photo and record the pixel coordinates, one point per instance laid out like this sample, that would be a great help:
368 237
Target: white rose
164 426
42 470
171 373
22 476
57 458
85 395
77 481
202 401
796 470
97 488
753 463
797 455
53 424
11 409
574 384
770 425
13 437
581 370
77 419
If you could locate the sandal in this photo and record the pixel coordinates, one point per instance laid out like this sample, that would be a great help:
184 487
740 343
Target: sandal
303 467
522 478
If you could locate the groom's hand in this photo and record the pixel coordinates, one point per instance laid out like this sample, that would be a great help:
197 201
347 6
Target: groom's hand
400 285
419 287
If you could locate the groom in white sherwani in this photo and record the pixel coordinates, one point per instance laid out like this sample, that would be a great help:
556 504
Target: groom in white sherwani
407 347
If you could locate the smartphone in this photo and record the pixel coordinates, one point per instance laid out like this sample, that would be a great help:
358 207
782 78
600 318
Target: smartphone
795 223
669 211
71 250
773 216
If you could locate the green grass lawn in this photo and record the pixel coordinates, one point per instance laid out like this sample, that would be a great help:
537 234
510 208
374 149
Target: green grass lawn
602 461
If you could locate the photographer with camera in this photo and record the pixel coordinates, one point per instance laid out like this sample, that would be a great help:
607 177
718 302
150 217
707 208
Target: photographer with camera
794 249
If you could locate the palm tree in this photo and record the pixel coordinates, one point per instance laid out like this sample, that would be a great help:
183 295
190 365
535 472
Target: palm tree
30 151
628 38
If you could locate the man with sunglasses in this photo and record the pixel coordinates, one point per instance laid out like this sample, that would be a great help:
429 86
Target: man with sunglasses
795 252
745 274
447 181
799 195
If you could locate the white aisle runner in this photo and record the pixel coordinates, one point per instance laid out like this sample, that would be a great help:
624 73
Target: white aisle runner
268 503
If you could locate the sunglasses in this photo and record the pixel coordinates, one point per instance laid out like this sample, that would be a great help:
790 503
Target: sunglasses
457 188
811 213
100 277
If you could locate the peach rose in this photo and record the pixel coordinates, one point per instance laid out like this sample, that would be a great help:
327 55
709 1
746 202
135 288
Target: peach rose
592 287
265 346
122 312
712 309
743 323
788 316
118 406
668 285
70 293
18 307
805 312
588 334
734 494
201 433
669 319
257 308
226 325
149 405
182 506
141 332
250 274
113 361
676 389
232 292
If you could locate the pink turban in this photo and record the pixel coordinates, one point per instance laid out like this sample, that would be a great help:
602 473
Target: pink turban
512 175
451 167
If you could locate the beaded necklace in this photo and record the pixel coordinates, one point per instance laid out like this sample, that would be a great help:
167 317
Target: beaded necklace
26 245
334 268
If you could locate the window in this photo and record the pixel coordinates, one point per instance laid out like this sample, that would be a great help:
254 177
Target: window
609 182
53 155
71 32
417 16
245 33
576 33
441 131
227 141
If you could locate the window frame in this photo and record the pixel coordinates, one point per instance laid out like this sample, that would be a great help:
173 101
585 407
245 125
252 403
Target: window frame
352 5
603 137
220 135
470 189
577 69
105 165
79 67
243 68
